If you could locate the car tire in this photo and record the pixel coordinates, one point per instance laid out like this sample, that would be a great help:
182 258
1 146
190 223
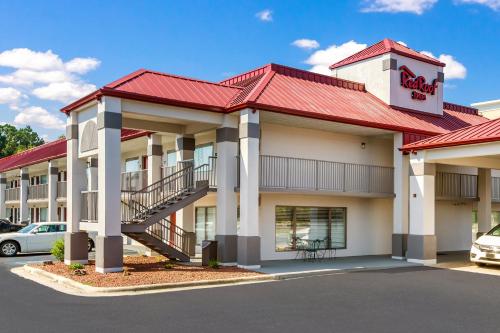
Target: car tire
9 249
480 264
90 245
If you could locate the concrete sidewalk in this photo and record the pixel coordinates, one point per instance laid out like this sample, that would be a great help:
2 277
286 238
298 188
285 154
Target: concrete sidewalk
298 267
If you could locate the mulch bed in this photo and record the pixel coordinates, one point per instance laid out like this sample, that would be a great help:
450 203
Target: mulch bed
144 270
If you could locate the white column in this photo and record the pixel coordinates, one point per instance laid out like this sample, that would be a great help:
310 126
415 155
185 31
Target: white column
184 146
484 204
52 172
23 195
422 246
249 237
155 153
75 241
400 206
3 187
227 205
92 174
109 245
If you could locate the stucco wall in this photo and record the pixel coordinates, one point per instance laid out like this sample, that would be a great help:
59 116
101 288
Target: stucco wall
453 225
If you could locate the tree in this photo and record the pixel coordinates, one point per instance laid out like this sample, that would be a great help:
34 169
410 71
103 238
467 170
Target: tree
13 140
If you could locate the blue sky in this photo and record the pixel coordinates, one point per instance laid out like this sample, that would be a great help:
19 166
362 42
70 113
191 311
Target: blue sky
53 51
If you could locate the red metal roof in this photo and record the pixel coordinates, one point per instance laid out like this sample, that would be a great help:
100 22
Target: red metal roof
485 132
50 151
386 46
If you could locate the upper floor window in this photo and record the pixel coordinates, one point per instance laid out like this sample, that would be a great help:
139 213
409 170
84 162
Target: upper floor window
202 154
132 165
170 158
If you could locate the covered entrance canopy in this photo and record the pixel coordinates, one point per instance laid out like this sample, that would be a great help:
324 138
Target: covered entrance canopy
474 146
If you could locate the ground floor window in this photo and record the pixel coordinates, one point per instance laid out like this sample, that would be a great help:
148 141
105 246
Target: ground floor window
327 224
205 224
38 214
13 214
61 214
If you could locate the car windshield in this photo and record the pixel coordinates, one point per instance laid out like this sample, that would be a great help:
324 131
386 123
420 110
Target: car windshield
495 231
27 229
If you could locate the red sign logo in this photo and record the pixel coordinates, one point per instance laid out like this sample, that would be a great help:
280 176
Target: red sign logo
417 83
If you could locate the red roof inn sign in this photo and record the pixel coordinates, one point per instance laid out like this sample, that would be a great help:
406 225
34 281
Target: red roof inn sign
417 83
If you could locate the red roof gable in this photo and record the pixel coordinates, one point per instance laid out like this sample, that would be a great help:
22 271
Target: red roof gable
50 151
383 47
485 132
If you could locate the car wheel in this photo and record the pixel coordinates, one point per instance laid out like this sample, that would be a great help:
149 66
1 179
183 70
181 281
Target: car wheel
9 249
480 264
90 245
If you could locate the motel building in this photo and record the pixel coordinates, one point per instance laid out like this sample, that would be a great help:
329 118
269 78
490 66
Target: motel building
368 161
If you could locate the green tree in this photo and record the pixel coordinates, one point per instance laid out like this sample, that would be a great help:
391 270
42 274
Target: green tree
14 140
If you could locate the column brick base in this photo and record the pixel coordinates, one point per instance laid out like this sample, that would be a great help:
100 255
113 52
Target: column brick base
76 248
227 248
399 246
109 254
422 249
249 251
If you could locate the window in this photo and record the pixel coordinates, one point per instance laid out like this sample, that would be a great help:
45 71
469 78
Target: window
202 154
132 164
43 179
43 215
205 224
495 231
310 223
43 229
170 159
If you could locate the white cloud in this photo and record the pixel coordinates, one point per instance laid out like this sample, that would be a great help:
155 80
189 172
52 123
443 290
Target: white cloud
266 15
64 91
453 68
82 65
28 59
9 95
35 115
397 6
322 59
28 77
493 4
307 44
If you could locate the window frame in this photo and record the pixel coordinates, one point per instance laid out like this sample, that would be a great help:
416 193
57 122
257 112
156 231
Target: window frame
294 227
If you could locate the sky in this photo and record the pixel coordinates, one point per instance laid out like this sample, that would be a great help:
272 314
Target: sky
53 52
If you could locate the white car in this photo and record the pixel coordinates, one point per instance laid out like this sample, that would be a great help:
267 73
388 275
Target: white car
36 237
486 249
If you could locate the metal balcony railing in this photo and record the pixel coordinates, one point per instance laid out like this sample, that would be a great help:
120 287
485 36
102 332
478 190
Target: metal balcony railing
297 174
134 181
89 206
38 192
62 189
495 189
209 173
12 194
455 186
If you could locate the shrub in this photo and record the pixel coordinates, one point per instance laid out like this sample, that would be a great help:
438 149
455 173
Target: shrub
76 266
169 265
58 250
213 264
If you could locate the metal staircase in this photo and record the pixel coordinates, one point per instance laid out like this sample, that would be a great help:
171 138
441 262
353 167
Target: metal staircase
144 212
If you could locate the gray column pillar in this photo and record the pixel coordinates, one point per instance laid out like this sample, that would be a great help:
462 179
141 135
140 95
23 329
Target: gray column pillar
75 241
484 204
52 172
3 187
109 244
227 205
400 206
23 195
184 146
155 153
422 246
249 237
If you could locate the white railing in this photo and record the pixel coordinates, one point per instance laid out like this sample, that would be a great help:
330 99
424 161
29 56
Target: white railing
135 180
12 194
38 192
62 189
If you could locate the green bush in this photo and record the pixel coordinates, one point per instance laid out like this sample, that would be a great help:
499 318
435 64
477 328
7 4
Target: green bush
169 265
213 264
76 266
58 250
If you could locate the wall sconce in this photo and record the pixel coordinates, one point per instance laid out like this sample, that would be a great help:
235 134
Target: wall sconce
363 145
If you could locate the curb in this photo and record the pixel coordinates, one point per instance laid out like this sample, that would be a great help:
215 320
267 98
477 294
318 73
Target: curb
138 288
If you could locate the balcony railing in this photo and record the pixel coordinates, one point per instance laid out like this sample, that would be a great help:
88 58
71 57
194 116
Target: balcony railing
495 189
210 173
62 189
38 192
89 206
134 181
12 194
279 173
455 186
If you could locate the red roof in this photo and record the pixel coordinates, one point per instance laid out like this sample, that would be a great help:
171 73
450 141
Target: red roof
156 87
383 47
283 89
486 132
50 151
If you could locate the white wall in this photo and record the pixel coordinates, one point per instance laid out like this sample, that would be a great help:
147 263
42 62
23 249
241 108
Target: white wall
453 225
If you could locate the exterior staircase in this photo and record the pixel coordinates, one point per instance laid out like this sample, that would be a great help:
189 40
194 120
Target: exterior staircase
145 212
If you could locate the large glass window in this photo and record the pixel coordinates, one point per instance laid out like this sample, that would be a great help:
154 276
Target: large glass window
310 223
170 159
132 165
205 224
202 154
